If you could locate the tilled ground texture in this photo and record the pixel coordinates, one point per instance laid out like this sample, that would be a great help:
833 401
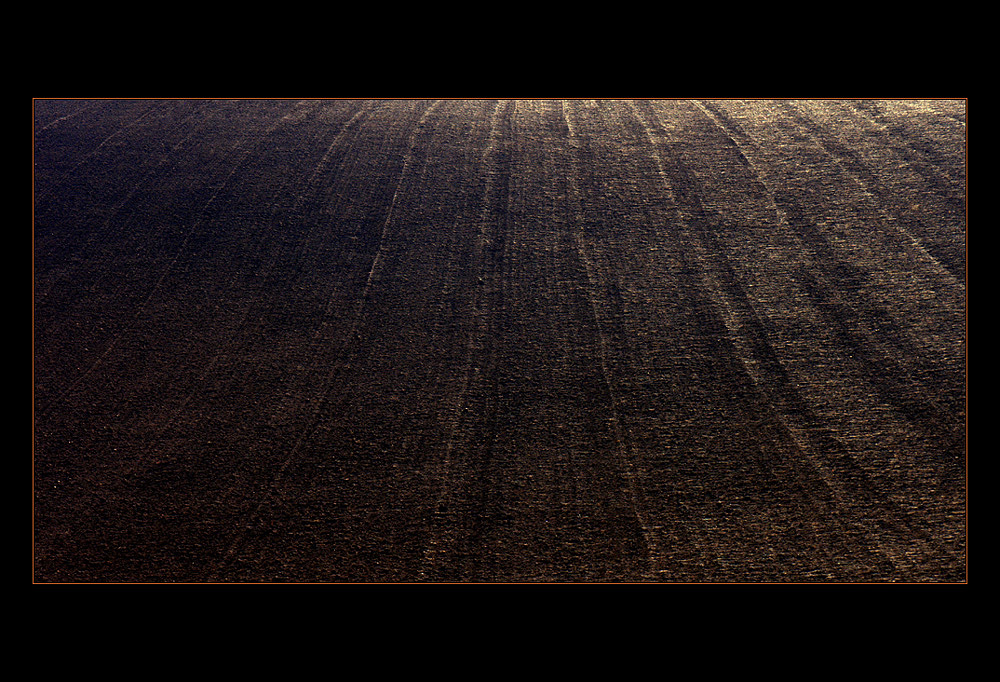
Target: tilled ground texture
499 341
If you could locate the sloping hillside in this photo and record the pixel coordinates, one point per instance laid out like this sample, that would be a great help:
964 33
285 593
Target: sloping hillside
500 341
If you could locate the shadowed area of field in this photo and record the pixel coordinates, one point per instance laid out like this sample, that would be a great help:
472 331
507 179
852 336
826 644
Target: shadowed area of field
499 341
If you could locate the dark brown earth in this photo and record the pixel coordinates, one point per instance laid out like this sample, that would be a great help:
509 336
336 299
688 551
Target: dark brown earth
499 341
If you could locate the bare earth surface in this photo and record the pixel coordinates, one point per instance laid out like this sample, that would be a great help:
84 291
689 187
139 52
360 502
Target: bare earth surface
499 341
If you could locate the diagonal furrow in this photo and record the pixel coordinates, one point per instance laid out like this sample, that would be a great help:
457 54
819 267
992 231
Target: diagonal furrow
157 285
853 488
75 170
860 320
936 253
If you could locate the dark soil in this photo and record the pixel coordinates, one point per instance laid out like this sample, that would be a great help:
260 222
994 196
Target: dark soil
499 341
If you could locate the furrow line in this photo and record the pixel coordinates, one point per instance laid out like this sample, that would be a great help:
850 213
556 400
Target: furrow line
167 270
53 123
477 334
407 160
877 351
268 266
735 320
624 446
75 169
116 209
787 402
868 184
320 402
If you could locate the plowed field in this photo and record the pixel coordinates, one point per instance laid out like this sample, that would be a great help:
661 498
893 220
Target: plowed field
499 341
